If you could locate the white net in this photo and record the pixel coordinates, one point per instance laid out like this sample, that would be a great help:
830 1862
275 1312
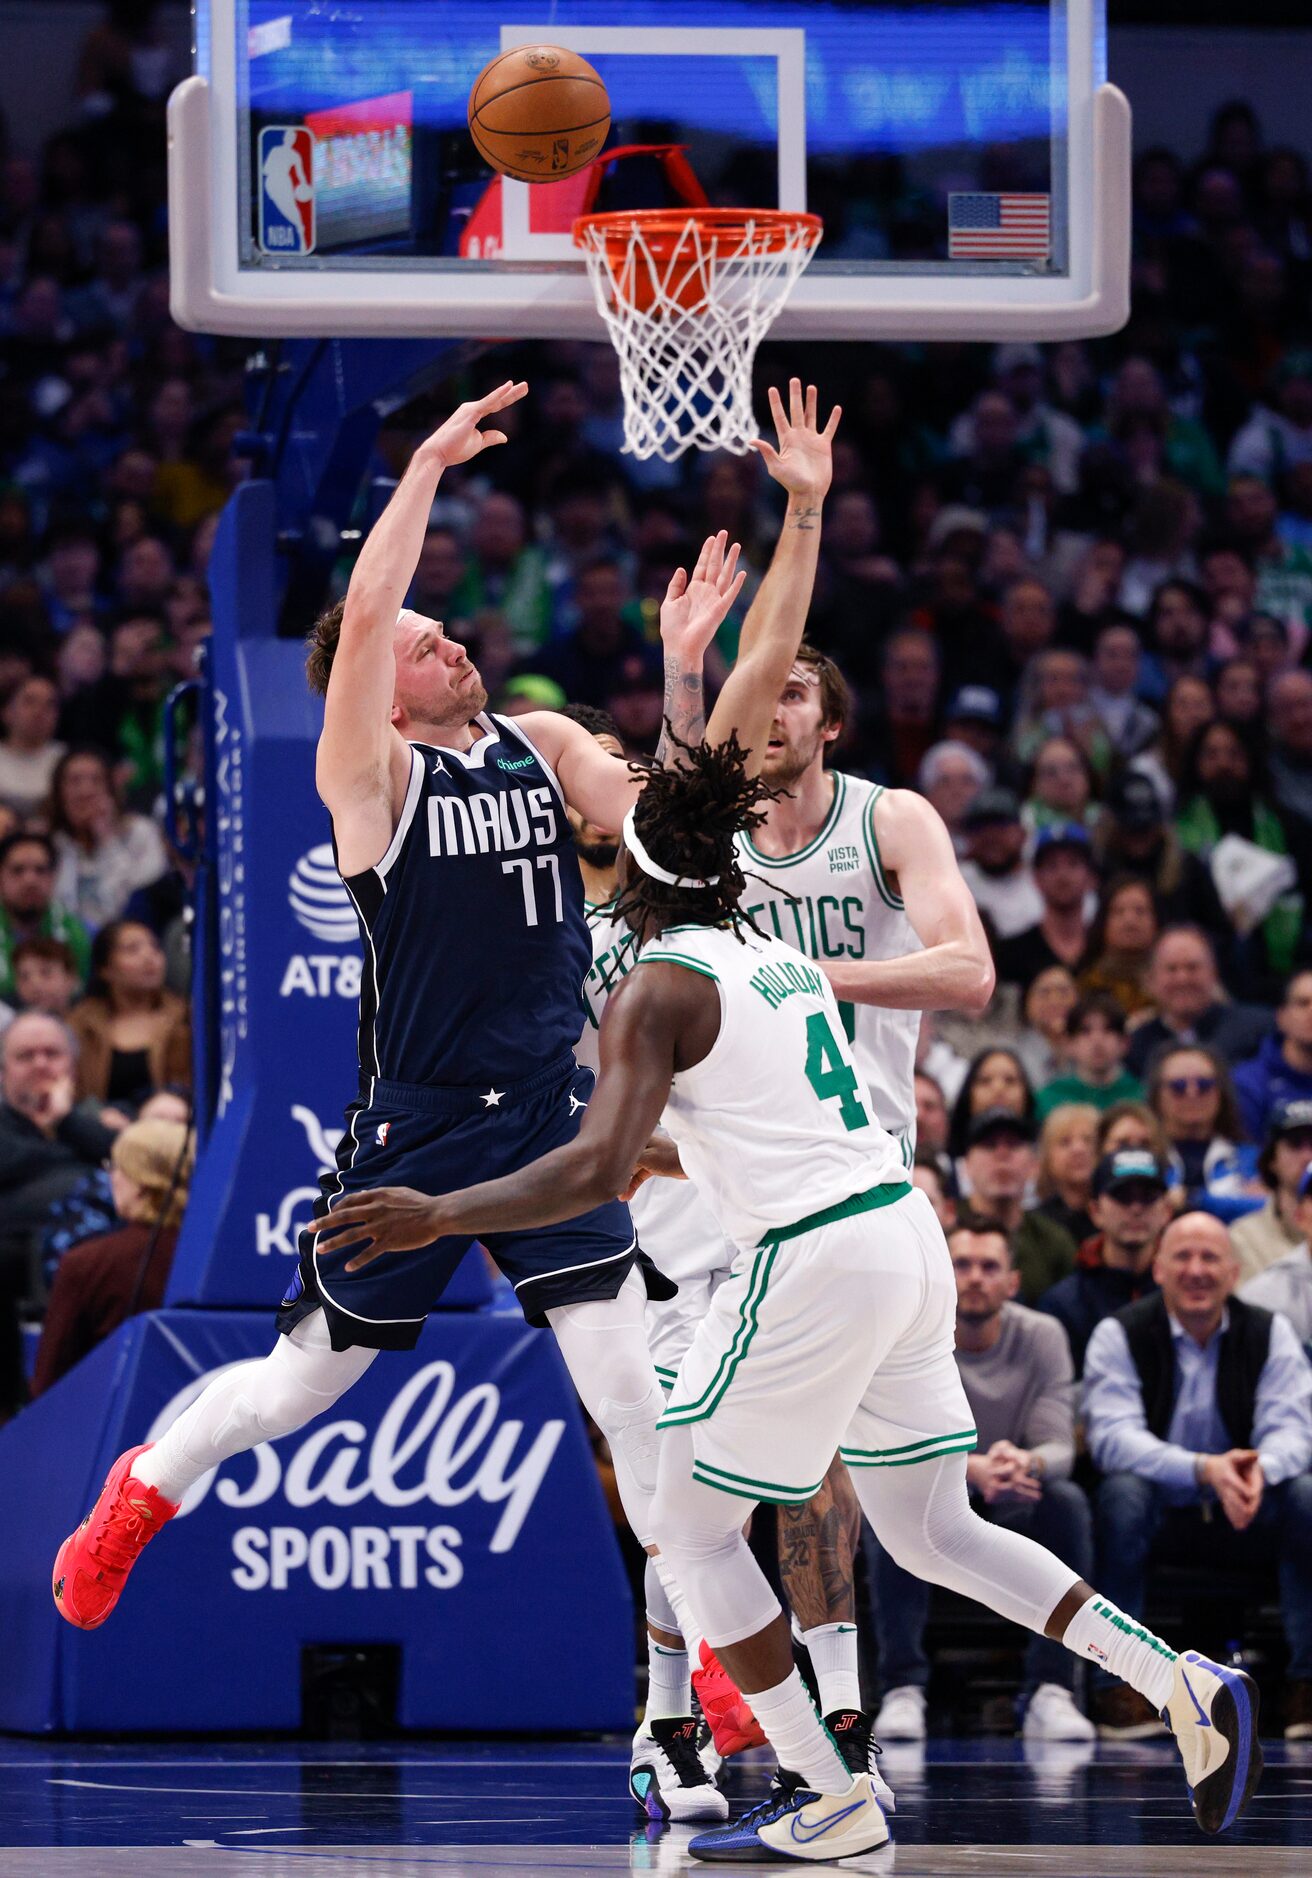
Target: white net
686 306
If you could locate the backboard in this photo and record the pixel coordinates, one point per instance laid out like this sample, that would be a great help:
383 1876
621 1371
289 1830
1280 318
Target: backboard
970 161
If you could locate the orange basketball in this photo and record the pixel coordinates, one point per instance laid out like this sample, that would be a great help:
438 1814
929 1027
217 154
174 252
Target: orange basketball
538 113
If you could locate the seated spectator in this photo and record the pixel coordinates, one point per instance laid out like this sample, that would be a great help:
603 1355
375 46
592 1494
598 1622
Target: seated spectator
1064 876
1095 1038
48 1139
1068 1154
1130 1210
1282 1069
1061 788
104 1281
28 749
932 1121
1191 1094
1055 704
1129 724
950 777
927 1175
903 731
1222 792
1043 1045
605 647
997 1170
506 572
87 1210
1285 1285
1260 1238
1195 1400
1015 1367
29 910
1289 704
134 1034
102 854
1239 702
45 976
1121 941
1188 706
1191 1005
995 1079
1135 838
995 868
974 715
1131 1125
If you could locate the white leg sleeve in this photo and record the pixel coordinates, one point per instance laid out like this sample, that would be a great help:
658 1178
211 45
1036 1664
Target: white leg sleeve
258 1401
604 1344
923 1519
660 1612
699 1533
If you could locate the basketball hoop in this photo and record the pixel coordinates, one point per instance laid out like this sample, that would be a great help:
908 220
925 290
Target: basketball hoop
687 296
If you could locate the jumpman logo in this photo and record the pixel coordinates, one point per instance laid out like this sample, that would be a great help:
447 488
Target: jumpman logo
439 767
575 1105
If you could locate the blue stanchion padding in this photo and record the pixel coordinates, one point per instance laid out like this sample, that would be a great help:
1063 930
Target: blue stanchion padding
448 1504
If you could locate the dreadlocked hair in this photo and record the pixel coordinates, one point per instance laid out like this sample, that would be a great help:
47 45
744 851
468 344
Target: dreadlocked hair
687 817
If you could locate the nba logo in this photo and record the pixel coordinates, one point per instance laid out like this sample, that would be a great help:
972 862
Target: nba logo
286 189
383 1130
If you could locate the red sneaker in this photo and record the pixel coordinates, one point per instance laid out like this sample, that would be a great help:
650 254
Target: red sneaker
92 1565
733 1726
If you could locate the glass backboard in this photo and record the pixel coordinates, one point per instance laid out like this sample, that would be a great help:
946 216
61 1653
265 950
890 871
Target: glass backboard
969 160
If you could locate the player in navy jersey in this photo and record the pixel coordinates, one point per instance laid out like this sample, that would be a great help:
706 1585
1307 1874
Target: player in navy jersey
450 832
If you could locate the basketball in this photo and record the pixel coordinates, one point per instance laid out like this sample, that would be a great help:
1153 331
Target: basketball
538 113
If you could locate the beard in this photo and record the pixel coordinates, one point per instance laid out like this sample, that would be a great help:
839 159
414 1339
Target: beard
599 854
788 764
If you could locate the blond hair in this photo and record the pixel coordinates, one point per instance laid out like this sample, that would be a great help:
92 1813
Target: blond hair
158 1156
1058 1119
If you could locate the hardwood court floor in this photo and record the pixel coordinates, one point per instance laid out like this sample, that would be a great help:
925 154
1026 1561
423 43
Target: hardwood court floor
284 1809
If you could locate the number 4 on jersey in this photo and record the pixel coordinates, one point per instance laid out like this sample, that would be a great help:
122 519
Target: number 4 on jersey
830 1074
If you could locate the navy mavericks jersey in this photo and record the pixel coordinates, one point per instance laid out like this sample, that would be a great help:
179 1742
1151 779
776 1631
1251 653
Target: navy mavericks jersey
474 935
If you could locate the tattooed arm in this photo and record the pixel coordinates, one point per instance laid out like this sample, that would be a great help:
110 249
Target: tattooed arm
817 1550
691 615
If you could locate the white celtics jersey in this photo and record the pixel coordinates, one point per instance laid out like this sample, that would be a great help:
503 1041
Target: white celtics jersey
675 1226
833 900
774 1124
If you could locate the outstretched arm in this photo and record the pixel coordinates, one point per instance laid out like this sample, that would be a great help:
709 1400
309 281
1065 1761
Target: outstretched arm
358 739
594 783
772 631
640 1030
691 615
955 970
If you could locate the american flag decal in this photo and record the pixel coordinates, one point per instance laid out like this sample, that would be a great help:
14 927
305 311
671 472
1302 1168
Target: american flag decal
1005 227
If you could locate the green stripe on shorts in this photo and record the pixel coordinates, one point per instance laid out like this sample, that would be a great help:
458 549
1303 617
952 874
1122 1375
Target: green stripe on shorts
748 1489
931 1448
680 1412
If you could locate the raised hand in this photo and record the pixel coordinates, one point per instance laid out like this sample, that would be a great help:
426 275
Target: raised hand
694 608
459 438
804 461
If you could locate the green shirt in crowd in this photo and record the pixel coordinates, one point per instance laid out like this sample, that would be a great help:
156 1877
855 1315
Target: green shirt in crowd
1126 1088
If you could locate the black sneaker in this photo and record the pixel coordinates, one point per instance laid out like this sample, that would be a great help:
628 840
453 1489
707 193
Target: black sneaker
666 1775
850 1728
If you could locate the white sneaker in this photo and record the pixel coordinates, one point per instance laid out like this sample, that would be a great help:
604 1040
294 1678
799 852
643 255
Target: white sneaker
901 1715
666 1775
1053 1716
1213 1715
803 1824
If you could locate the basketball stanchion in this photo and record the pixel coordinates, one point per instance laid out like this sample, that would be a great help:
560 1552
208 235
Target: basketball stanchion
687 296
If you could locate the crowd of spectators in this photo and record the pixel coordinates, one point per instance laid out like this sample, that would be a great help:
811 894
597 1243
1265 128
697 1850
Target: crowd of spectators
1072 588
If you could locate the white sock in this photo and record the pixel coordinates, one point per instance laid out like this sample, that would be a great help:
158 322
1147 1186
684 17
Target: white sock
669 1692
834 1659
799 1737
1117 1643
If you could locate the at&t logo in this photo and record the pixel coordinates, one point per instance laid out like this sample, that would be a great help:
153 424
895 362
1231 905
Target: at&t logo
322 905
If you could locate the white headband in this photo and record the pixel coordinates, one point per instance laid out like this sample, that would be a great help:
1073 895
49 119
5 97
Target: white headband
634 844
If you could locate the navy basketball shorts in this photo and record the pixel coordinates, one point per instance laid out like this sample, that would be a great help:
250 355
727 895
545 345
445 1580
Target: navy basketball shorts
439 1140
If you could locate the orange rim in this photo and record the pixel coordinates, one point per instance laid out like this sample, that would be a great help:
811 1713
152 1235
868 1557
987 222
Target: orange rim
663 229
